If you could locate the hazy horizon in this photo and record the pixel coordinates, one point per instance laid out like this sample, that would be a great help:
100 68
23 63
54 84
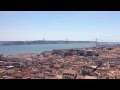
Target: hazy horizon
59 25
42 40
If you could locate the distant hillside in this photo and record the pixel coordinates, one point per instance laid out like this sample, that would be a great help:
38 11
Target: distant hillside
39 42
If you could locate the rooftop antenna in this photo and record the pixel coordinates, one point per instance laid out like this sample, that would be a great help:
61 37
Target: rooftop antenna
43 39
96 42
66 40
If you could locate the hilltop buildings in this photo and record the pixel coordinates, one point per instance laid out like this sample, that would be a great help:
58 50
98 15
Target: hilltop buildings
90 63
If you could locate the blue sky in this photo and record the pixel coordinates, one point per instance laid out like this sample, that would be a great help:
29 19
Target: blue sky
59 25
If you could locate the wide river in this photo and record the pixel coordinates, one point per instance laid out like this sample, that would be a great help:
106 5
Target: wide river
38 48
19 49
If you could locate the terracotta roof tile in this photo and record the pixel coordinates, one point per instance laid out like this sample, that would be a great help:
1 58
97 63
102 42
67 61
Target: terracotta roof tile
70 71
90 77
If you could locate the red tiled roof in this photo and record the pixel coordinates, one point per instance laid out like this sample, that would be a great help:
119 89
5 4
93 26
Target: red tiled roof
8 77
70 71
2 70
79 77
21 56
59 76
17 74
90 77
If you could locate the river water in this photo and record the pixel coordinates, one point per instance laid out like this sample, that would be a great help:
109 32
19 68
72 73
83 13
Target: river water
20 49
